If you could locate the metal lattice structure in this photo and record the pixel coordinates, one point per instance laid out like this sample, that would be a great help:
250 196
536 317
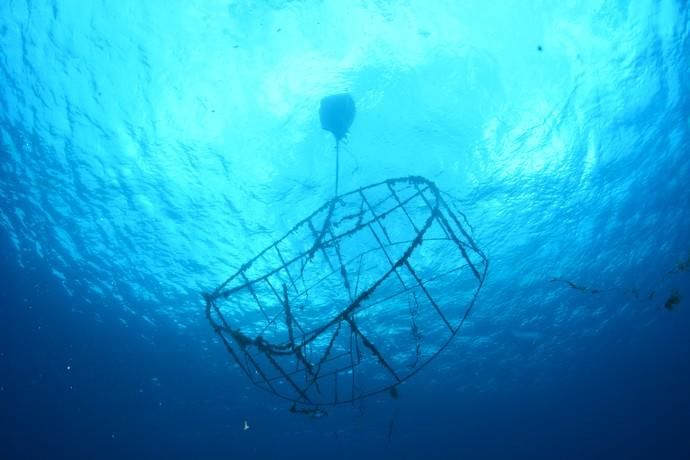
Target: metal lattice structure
354 299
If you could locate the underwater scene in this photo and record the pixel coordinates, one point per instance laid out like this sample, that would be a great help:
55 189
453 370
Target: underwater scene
348 229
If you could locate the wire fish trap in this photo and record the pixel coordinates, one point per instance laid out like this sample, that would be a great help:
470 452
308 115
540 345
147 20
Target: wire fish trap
353 300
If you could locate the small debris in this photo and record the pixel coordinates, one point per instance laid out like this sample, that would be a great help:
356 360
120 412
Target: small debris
672 301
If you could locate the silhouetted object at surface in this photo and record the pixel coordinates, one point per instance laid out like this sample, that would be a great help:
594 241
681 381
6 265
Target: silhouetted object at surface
354 299
337 112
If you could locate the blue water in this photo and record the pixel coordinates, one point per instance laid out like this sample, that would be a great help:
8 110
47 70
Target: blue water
149 148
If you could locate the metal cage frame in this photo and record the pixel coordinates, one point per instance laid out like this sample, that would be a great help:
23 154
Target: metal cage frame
287 347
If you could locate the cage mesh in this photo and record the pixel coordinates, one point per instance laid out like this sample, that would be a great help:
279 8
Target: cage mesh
354 299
